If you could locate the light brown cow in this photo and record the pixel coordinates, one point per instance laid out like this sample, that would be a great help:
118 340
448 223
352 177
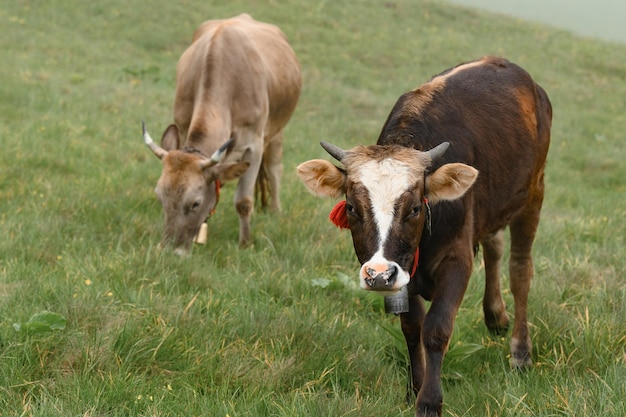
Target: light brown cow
238 80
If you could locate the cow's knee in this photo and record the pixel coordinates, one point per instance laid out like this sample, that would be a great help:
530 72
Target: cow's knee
435 337
244 209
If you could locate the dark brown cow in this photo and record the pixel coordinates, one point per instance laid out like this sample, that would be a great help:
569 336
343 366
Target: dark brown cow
410 198
238 80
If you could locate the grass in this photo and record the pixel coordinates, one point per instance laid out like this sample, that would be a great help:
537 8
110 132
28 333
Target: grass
280 329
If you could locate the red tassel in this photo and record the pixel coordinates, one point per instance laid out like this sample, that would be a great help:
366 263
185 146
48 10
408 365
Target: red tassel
339 216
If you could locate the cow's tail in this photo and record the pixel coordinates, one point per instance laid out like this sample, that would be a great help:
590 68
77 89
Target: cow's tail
261 187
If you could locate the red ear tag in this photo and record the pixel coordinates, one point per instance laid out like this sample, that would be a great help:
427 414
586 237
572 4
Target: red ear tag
339 216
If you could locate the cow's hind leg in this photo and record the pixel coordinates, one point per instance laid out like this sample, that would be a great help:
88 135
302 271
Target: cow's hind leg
494 308
523 231
273 167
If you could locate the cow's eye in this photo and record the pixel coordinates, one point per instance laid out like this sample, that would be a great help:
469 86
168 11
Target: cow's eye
194 206
351 211
414 212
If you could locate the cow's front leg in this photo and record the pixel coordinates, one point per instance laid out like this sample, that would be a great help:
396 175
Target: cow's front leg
412 329
436 336
436 333
244 197
244 210
272 161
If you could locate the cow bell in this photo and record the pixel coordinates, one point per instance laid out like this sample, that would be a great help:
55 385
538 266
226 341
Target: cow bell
397 303
202 234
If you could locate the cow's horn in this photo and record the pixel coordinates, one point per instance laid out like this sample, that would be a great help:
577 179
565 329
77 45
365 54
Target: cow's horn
156 149
218 155
334 151
436 152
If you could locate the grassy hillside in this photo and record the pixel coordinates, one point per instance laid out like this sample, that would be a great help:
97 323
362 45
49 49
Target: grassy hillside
280 329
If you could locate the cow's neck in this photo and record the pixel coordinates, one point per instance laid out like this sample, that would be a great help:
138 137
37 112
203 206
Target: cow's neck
194 151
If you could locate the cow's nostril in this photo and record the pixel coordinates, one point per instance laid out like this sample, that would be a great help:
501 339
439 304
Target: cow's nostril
390 275
383 279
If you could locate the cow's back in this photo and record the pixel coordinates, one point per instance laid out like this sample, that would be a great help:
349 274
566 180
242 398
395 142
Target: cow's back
237 72
497 119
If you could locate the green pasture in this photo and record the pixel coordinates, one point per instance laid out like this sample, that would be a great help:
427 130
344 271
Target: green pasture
94 321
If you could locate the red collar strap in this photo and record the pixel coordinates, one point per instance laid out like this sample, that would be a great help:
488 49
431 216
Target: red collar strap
217 197
416 261
339 216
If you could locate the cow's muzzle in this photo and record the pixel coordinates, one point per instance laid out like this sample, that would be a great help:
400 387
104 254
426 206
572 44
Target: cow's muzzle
380 277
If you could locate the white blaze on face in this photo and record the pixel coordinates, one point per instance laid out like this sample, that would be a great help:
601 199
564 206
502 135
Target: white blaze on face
385 181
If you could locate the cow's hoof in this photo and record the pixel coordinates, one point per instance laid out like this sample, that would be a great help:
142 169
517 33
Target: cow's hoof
429 408
244 244
520 354
497 322
427 412
521 361
497 328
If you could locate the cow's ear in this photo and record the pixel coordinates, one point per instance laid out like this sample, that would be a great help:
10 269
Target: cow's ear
229 171
170 140
450 182
322 178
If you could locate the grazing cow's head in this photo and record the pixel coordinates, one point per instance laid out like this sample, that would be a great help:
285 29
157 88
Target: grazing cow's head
188 187
387 190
